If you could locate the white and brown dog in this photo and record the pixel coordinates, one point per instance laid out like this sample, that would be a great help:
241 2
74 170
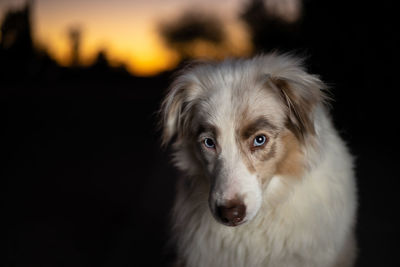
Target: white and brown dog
258 151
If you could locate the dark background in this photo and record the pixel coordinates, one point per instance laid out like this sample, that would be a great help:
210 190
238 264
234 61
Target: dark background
86 183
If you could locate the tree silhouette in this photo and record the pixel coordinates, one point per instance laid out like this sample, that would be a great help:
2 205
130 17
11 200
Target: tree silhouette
16 32
270 27
184 34
74 35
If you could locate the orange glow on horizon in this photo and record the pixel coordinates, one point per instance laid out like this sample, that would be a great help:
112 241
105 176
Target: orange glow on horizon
143 54
127 31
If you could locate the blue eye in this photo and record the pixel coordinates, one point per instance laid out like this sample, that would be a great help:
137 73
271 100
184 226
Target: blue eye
259 140
209 143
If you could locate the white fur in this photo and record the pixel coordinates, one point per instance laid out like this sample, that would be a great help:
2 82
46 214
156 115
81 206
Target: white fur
305 221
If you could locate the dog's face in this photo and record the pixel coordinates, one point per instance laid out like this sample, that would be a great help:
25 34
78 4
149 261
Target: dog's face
240 147
240 125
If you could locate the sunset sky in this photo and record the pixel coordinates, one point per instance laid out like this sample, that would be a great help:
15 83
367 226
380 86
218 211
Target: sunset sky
126 30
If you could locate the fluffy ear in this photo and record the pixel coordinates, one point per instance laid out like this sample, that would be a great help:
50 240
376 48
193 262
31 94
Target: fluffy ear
301 92
176 110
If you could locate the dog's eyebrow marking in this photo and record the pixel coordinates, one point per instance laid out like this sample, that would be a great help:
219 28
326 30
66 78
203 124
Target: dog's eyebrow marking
257 125
207 128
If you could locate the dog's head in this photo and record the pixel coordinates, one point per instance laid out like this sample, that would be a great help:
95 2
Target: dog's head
239 123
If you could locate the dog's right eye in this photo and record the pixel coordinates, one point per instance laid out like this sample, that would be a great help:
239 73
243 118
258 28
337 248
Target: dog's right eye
209 143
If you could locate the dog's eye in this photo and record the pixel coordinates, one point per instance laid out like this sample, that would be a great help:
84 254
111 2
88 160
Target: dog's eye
209 143
259 140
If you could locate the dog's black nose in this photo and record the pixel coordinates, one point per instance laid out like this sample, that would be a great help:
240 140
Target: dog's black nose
232 213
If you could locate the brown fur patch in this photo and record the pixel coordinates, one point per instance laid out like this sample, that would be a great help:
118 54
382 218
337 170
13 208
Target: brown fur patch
269 153
300 108
245 131
253 127
291 163
301 99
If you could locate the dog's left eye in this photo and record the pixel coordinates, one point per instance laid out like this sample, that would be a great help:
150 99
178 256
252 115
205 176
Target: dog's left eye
209 143
259 140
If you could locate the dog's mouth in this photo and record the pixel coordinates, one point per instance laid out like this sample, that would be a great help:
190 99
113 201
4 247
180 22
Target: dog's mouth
231 223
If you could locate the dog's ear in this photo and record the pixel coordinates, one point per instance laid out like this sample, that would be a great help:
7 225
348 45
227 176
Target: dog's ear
176 109
301 92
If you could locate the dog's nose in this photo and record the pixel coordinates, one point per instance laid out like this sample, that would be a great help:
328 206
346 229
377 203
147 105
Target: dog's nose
232 213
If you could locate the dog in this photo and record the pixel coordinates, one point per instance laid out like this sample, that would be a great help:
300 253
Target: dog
267 180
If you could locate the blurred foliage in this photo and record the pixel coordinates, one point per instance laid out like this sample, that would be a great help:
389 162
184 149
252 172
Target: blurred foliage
269 27
23 61
191 29
16 31
271 24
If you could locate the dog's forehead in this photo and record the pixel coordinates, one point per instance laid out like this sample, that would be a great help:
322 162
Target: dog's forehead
238 101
